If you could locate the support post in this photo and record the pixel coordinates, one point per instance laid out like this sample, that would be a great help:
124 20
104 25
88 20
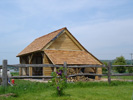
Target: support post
4 74
65 69
96 77
20 71
30 71
109 72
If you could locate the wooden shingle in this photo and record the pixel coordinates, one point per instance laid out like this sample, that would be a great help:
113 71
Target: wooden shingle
39 43
71 57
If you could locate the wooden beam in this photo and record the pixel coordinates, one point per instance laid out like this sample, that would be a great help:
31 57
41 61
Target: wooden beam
30 67
96 71
51 65
123 74
20 71
35 65
83 66
30 71
30 58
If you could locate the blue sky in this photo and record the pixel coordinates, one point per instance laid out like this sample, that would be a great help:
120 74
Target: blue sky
104 27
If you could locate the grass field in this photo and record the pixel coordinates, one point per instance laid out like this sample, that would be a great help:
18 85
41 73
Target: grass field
120 77
26 90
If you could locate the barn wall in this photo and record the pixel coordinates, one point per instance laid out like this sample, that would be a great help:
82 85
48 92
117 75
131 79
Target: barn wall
47 70
64 43
23 71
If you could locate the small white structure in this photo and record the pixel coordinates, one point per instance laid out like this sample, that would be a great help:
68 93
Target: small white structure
8 75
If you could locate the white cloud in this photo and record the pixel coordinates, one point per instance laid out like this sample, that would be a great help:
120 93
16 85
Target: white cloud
106 37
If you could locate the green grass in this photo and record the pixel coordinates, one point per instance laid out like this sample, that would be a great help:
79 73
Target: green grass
120 77
15 73
26 90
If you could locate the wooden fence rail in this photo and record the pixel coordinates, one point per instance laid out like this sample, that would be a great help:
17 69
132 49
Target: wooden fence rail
51 65
109 74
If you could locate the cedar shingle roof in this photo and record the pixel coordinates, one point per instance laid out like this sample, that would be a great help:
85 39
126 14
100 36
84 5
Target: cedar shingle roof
40 42
71 57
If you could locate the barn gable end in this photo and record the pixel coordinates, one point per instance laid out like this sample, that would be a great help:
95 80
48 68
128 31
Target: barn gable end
63 42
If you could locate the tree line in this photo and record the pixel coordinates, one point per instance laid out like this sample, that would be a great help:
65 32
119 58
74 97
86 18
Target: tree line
119 61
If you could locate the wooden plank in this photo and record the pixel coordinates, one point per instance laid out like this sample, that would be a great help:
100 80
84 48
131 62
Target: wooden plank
30 71
20 71
4 74
87 74
96 71
30 67
74 40
23 77
65 68
51 65
35 65
122 65
123 74
64 42
24 72
47 70
86 66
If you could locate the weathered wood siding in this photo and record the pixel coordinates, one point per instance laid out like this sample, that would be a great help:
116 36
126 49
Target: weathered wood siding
64 42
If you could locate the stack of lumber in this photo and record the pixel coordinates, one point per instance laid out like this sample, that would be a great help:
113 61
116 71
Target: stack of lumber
72 71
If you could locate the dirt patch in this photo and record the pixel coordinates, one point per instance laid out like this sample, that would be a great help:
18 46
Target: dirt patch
38 80
102 79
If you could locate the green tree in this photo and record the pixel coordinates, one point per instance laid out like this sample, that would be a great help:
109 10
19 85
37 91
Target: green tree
104 70
130 69
120 61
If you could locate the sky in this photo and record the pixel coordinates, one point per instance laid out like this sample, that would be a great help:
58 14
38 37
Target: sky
103 27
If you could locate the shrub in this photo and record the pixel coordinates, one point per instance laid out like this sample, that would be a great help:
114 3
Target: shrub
59 81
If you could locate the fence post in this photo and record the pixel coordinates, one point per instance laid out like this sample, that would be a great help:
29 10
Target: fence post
65 69
4 74
109 72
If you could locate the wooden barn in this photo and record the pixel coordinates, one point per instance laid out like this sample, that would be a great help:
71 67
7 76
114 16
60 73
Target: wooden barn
56 48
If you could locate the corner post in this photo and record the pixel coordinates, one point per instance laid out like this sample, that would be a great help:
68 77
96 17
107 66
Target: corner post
96 71
4 74
65 69
109 72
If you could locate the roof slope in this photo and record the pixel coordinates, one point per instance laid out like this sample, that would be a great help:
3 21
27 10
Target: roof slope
71 57
40 42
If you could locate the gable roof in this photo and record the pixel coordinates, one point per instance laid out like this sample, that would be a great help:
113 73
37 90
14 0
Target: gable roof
71 57
39 43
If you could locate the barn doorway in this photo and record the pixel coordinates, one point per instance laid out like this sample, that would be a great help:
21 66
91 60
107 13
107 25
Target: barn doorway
37 59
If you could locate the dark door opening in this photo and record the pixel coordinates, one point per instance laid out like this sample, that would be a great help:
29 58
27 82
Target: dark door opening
37 71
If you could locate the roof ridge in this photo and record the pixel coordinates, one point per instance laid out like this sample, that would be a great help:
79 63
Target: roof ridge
51 33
